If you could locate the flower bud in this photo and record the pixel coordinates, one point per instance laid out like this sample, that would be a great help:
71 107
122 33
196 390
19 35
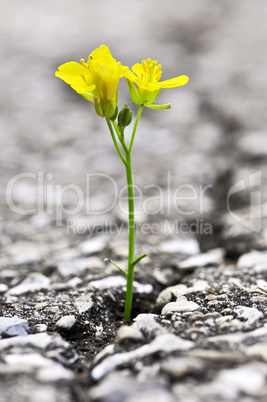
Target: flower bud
125 117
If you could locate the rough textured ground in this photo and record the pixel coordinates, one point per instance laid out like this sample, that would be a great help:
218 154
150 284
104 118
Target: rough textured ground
199 329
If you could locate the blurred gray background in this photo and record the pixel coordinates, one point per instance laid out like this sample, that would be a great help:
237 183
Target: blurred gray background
215 133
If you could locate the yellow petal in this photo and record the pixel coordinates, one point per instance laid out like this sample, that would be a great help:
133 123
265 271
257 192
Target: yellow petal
174 82
126 72
72 73
101 52
138 69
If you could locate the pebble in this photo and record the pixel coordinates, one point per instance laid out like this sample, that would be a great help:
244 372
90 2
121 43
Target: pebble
184 246
25 252
44 368
117 281
258 350
255 259
155 395
178 367
41 341
11 299
33 283
129 390
92 246
79 265
41 327
108 282
66 322
83 303
13 326
146 324
165 343
3 287
8 273
200 260
181 305
55 372
71 284
248 379
262 284
127 332
253 144
250 314
180 290
238 338
215 357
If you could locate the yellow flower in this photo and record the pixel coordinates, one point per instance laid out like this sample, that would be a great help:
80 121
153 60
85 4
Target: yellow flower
146 76
97 80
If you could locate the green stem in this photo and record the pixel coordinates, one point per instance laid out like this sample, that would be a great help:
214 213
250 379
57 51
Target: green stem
120 136
130 275
139 259
117 266
127 160
115 141
141 107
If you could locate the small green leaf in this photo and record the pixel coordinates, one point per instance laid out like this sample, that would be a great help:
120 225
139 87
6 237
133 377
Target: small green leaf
167 106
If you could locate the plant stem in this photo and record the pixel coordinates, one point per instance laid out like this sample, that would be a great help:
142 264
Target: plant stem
131 228
115 141
127 160
141 107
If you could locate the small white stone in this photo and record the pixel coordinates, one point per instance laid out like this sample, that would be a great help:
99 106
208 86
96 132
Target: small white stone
262 284
33 283
146 323
93 245
54 373
258 350
27 362
182 304
127 332
184 246
254 143
165 343
180 290
255 259
248 379
83 303
200 260
11 299
41 327
13 326
172 291
79 265
250 314
109 282
3 287
66 322
25 252
142 288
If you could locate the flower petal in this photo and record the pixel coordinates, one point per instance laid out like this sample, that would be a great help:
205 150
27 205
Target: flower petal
72 73
101 54
174 82
138 69
126 72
